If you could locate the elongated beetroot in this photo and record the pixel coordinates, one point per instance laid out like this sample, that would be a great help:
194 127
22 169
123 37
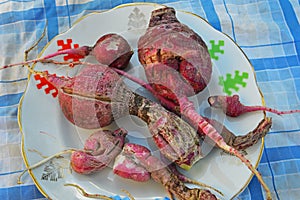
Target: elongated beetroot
176 46
240 142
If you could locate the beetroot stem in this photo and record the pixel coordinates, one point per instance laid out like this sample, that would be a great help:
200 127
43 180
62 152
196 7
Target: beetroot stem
81 51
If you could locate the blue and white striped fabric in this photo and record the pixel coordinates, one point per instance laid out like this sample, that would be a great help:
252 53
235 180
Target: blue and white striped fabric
268 31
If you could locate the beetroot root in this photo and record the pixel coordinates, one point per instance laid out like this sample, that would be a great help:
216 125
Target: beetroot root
232 106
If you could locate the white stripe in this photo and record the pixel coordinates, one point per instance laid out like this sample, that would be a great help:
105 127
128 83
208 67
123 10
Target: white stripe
283 139
12 88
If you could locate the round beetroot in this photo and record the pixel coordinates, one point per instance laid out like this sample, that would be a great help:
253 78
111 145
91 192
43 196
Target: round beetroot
112 50
173 44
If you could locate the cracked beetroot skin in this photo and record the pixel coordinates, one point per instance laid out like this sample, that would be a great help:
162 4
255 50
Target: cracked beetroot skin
169 43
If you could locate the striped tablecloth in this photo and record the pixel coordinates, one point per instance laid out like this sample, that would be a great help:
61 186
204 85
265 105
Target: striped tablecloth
268 32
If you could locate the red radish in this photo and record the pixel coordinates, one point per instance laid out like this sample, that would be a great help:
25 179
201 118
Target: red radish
232 106
110 49
99 150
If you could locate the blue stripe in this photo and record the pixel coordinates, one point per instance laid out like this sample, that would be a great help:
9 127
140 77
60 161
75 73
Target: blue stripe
285 131
3 2
14 16
255 189
292 22
281 153
13 81
231 20
211 14
68 11
8 173
275 63
51 16
272 173
266 45
10 99
27 192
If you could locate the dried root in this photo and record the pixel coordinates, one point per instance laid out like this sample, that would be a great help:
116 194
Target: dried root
96 196
57 155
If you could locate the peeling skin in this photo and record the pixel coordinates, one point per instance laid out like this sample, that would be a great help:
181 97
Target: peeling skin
112 50
113 45
99 150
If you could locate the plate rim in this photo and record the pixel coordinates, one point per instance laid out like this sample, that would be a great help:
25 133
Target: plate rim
23 152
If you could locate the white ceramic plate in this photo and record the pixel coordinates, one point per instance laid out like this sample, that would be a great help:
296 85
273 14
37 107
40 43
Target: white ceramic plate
46 130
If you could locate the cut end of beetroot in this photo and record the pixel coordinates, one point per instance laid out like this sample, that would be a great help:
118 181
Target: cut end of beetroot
215 102
83 163
162 16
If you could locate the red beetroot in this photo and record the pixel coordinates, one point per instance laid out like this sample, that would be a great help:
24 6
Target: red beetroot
99 150
232 106
176 46
110 49
85 99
